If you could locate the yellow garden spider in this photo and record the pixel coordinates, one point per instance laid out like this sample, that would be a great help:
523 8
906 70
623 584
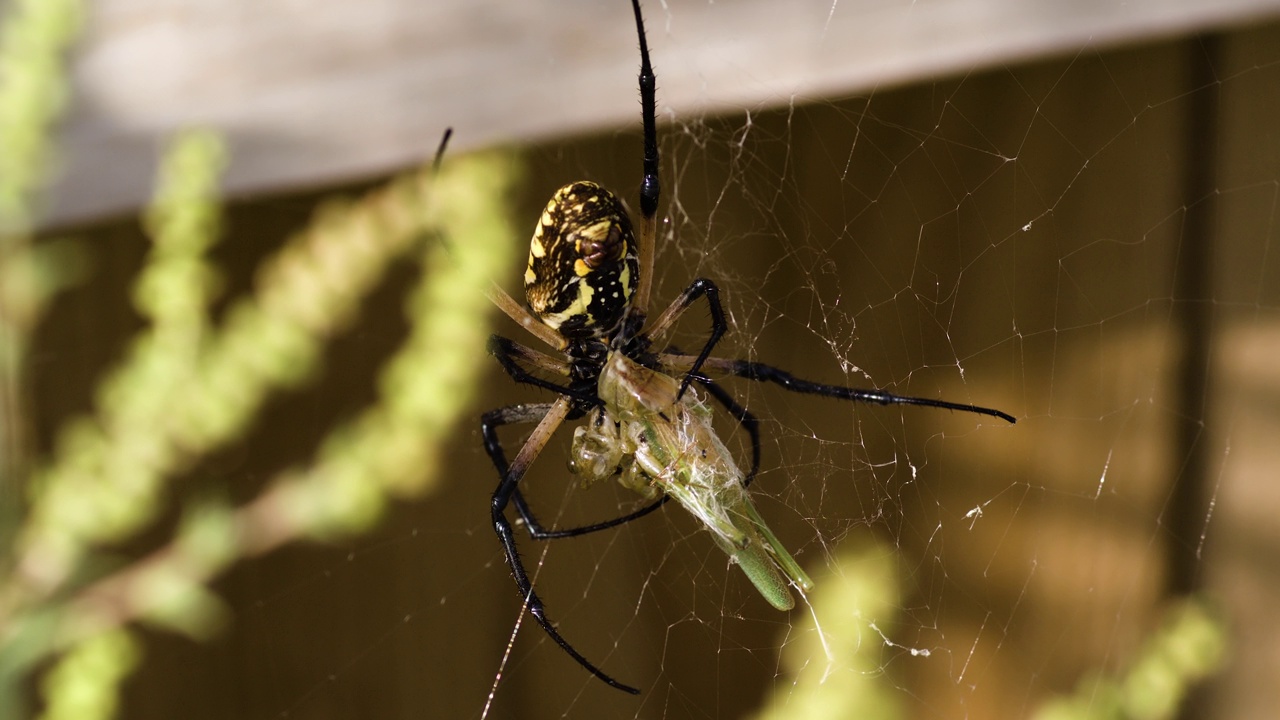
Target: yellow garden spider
587 285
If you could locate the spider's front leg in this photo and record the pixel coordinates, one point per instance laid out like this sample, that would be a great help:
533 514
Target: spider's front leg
761 372
553 416
701 287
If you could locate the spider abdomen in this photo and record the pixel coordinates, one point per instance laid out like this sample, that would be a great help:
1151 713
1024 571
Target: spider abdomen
582 262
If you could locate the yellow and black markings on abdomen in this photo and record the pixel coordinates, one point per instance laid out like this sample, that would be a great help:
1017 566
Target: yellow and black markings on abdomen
582 262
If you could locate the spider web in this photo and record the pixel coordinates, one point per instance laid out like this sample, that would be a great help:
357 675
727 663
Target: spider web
1066 240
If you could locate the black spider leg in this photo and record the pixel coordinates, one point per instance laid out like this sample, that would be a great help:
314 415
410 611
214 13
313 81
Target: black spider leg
507 350
489 426
549 417
537 532
744 417
650 186
444 143
701 287
767 373
650 190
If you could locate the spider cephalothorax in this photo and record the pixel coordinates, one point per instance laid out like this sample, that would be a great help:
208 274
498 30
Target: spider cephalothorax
587 286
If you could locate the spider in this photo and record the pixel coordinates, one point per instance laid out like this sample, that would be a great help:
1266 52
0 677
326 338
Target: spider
587 286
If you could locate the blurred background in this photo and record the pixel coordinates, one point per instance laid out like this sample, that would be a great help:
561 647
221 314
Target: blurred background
1063 212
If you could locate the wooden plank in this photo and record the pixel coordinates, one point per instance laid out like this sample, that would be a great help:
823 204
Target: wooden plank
318 92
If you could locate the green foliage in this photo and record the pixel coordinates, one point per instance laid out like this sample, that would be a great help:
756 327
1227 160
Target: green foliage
82 686
33 92
1189 646
34 35
110 475
836 668
833 658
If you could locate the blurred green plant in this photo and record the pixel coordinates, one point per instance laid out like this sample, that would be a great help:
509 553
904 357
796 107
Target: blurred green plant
1190 645
34 37
33 92
108 476
832 658
835 669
